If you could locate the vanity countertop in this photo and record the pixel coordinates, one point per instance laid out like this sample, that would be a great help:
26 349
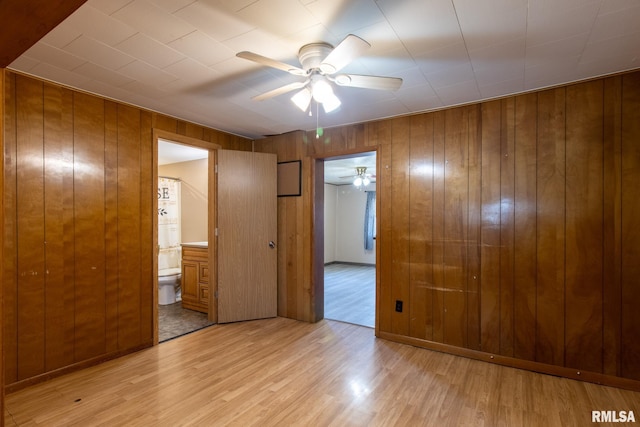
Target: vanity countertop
196 244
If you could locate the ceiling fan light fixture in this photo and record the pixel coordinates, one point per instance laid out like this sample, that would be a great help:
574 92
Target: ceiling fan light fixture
358 181
366 181
302 99
321 90
330 103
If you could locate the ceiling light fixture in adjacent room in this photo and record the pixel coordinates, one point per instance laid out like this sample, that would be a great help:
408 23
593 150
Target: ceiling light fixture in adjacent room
362 179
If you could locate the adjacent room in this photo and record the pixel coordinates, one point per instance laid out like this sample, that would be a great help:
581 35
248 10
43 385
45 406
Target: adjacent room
183 206
399 212
349 239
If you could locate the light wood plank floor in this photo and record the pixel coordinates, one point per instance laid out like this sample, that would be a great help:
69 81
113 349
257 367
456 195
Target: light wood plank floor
350 293
281 372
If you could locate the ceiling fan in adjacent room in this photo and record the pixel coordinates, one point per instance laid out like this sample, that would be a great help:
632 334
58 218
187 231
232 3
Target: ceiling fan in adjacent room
361 178
321 63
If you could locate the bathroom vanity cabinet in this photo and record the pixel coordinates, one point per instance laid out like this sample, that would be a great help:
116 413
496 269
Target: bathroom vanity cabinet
195 276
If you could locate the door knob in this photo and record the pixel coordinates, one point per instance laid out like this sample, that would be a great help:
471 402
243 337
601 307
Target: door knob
272 245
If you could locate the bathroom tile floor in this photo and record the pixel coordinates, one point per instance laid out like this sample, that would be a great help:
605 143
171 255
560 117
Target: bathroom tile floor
173 321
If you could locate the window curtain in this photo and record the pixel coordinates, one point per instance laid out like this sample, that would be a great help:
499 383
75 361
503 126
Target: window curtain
370 220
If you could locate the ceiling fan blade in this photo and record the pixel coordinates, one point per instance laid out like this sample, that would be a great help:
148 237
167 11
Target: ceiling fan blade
280 90
349 49
263 60
368 82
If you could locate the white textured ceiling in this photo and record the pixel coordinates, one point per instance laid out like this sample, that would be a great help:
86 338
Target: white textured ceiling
343 171
170 152
178 56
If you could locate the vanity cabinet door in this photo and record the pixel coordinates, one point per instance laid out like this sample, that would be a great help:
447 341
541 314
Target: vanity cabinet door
189 283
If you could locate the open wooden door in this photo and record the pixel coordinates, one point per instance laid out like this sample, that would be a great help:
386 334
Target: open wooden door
247 232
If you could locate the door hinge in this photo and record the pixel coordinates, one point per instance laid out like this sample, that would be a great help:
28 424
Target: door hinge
215 169
215 232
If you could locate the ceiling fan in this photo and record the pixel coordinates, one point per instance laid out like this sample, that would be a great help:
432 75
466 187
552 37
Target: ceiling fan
361 178
321 63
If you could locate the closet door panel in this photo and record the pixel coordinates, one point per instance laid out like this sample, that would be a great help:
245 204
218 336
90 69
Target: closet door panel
89 229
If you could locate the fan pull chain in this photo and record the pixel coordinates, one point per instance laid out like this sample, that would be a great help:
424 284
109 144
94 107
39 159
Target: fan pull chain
317 122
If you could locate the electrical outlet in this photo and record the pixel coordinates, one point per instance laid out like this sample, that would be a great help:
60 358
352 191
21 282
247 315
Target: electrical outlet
399 306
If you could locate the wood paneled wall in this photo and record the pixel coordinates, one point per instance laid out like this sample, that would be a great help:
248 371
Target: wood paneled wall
2 73
78 253
508 228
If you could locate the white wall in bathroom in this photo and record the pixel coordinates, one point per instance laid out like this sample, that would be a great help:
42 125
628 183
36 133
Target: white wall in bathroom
194 197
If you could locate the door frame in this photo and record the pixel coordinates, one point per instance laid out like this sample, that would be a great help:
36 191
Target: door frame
211 220
317 200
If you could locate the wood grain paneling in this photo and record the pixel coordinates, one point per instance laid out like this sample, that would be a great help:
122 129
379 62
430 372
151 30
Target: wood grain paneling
474 228
89 229
10 235
2 97
525 233
630 251
58 217
612 226
583 245
490 228
111 223
551 227
439 214
400 225
147 266
385 304
129 232
455 226
524 263
421 220
507 221
30 225
78 240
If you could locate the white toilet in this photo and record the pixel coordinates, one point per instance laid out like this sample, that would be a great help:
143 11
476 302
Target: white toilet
169 275
168 285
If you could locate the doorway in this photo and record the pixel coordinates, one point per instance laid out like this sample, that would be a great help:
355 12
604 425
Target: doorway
183 190
350 239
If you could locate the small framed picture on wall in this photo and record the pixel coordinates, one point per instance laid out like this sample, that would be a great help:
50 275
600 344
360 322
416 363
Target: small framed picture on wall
290 178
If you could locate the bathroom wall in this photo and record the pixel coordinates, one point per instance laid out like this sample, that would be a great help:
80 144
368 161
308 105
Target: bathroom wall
344 224
193 175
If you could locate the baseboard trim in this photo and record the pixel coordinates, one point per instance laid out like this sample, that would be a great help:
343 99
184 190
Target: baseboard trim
542 368
357 264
